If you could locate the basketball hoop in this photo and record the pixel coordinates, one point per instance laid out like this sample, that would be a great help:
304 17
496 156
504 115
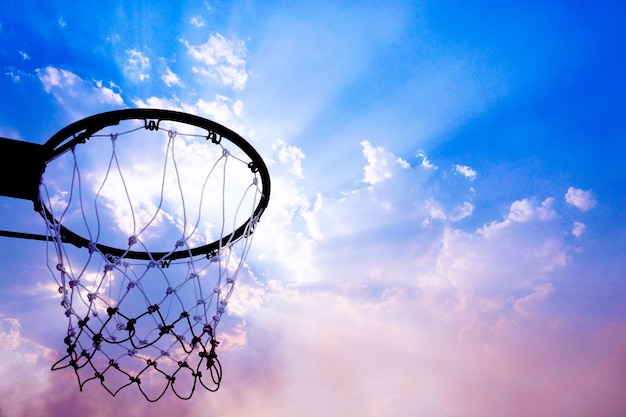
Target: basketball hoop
149 219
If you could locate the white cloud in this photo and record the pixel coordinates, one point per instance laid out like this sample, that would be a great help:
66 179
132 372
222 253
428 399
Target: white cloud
578 229
522 211
78 96
462 211
465 171
197 21
381 164
221 110
425 162
137 65
10 339
238 108
438 212
224 60
24 55
170 78
581 199
291 156
526 304
15 76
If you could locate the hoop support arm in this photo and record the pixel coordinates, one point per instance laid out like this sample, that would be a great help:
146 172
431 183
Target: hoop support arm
21 167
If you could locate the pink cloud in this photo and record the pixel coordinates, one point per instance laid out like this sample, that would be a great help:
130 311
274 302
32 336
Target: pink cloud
581 199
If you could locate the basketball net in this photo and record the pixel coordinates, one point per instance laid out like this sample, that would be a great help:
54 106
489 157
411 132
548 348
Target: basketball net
147 314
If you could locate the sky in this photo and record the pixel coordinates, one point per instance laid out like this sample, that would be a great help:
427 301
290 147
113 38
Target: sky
445 232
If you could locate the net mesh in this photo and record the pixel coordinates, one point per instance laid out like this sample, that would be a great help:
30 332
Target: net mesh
159 190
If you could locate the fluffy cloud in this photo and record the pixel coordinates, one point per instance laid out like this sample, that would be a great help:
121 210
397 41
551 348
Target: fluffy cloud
170 78
292 156
222 60
581 199
465 171
78 96
137 65
425 162
522 211
197 21
578 229
221 109
380 164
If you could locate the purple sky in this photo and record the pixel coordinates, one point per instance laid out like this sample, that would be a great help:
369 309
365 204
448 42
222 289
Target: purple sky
445 234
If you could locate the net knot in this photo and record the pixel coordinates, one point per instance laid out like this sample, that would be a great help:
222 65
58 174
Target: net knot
153 308
170 291
108 267
217 291
153 264
130 326
165 329
212 136
113 137
151 125
92 296
73 283
132 240
131 352
91 246
180 243
225 153
171 133
60 268
194 275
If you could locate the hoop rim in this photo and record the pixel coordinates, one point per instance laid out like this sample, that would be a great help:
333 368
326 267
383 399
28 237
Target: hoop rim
81 131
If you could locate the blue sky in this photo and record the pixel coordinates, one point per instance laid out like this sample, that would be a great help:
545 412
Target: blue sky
446 229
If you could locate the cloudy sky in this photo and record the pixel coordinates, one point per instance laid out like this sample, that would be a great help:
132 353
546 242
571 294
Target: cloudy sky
445 235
